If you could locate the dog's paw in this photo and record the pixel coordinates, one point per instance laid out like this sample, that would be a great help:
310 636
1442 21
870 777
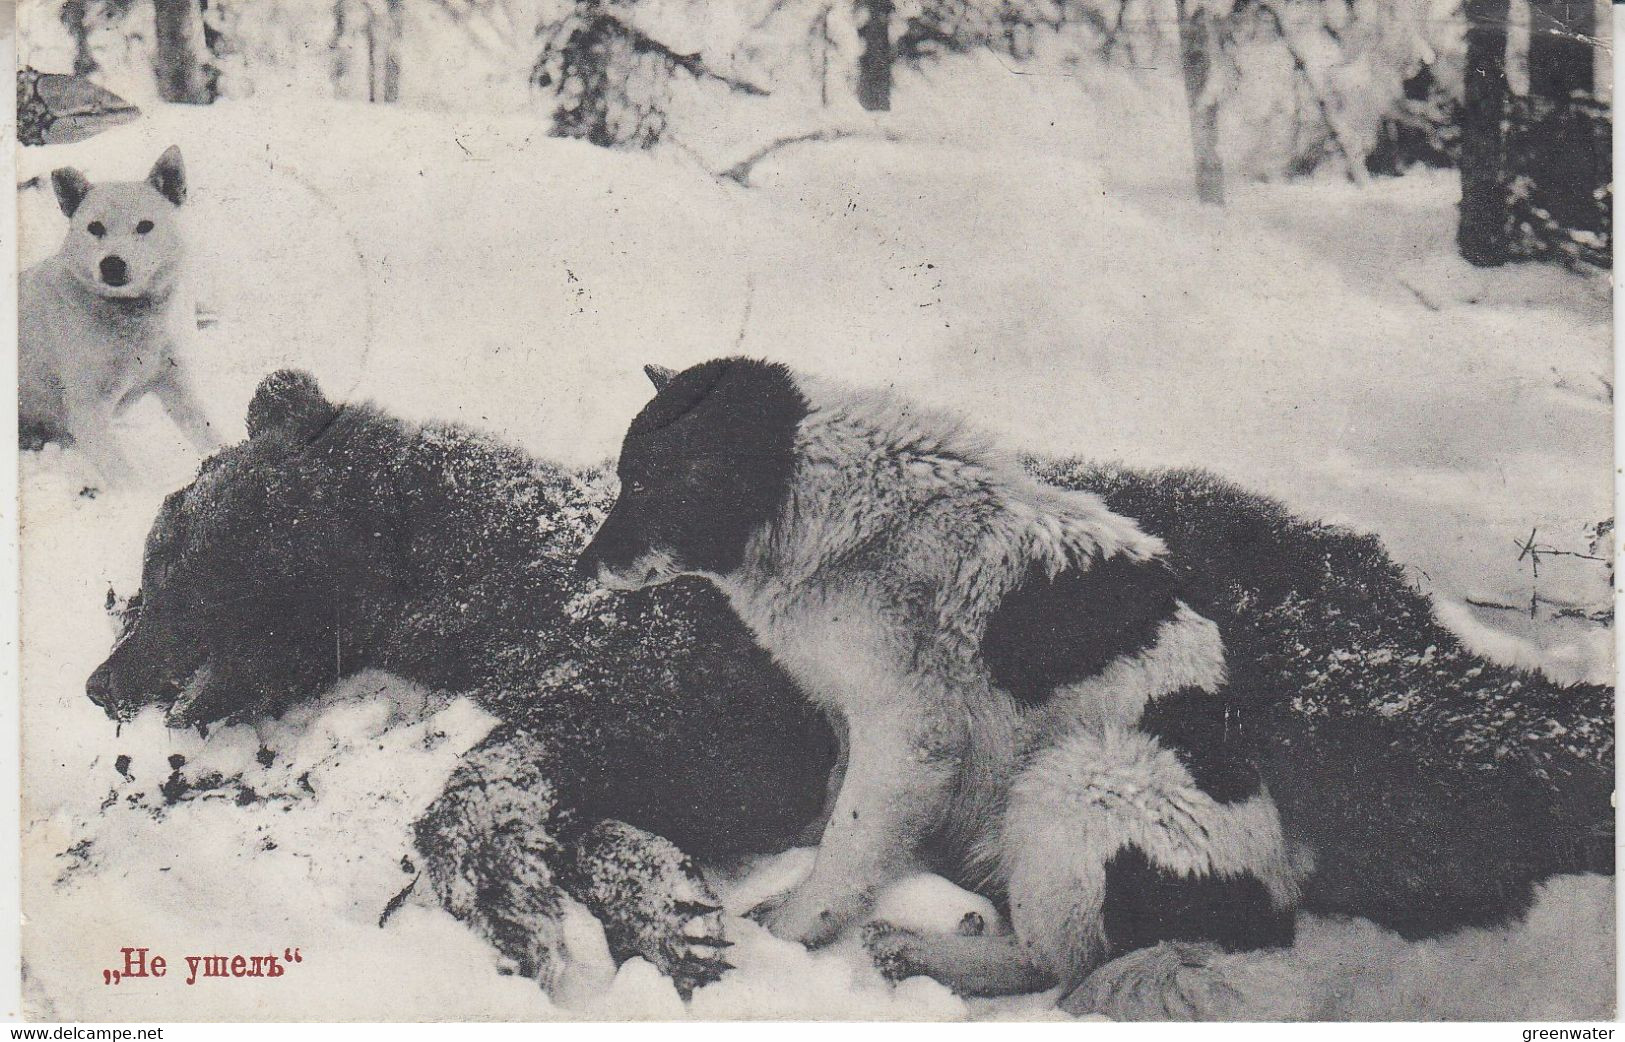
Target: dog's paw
1168 981
805 915
894 950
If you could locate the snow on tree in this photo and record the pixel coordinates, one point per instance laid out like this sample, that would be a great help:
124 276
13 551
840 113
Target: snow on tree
54 109
611 78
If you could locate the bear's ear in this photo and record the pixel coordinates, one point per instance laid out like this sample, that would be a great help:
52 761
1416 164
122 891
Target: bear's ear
168 175
71 188
659 375
289 401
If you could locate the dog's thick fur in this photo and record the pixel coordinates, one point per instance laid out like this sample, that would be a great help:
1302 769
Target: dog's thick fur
1037 697
637 731
104 321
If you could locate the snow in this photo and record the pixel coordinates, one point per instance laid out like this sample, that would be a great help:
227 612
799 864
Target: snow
1014 250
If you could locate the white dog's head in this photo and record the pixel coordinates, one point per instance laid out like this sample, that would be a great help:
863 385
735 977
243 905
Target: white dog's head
124 238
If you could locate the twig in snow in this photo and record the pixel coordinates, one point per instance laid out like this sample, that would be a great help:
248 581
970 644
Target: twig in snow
740 171
1495 605
744 319
1419 295
399 899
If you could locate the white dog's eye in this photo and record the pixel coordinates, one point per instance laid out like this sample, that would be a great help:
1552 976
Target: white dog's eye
96 228
143 228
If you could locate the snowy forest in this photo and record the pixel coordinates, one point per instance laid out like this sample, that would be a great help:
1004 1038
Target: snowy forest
1513 94
1352 255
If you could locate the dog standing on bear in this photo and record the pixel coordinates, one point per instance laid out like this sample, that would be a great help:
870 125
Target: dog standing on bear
104 321
1028 698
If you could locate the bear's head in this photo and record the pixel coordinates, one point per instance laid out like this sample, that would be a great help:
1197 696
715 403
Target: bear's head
250 570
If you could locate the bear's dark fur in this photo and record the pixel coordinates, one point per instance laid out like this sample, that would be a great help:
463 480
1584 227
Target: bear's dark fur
337 539
1431 788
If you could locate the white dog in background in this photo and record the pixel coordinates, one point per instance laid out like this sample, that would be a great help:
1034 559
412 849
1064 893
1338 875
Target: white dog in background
104 320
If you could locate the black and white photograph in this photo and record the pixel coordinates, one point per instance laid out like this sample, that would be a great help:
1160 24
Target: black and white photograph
814 510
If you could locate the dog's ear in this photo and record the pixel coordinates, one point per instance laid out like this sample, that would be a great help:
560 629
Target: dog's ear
71 188
169 175
289 401
659 375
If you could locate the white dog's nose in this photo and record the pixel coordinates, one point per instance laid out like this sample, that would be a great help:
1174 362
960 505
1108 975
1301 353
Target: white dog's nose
114 271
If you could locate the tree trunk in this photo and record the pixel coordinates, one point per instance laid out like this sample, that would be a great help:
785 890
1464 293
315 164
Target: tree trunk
874 64
75 14
1482 234
1198 41
183 76
1560 47
339 48
384 50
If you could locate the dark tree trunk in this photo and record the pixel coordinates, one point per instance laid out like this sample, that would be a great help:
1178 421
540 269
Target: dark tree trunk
1482 234
1197 45
874 64
1561 58
74 15
183 75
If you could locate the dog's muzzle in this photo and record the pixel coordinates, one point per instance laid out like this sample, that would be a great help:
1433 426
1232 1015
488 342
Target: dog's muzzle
114 271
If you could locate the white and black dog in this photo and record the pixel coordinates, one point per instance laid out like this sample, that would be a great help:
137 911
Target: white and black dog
1028 698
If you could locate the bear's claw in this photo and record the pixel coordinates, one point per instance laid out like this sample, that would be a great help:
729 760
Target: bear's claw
652 902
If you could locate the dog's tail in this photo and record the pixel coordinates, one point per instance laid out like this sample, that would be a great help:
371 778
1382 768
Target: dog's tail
1182 981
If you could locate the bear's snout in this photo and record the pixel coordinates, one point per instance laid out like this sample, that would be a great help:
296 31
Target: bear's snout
115 272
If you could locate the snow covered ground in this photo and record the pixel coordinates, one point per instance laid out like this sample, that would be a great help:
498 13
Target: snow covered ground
1013 251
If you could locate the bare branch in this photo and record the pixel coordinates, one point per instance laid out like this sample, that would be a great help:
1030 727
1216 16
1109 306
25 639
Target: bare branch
1334 123
740 171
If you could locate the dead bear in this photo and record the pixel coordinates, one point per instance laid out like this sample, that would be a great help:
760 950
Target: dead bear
639 731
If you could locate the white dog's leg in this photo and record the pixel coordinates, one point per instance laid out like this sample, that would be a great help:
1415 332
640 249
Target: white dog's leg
904 762
969 964
181 402
93 436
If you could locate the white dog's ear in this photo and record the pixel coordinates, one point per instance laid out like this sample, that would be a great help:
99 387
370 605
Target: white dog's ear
169 175
290 401
659 375
71 188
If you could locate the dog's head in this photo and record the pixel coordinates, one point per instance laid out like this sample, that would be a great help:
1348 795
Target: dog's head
124 240
704 466
236 612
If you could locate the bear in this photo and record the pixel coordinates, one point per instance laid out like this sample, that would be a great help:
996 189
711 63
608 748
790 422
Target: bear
645 733
637 734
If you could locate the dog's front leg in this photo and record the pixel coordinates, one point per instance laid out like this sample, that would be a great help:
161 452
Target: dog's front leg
94 437
904 763
180 401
